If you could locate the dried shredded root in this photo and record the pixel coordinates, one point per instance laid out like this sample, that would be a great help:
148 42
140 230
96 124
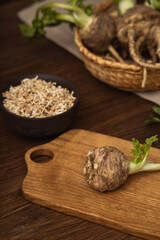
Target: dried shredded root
36 98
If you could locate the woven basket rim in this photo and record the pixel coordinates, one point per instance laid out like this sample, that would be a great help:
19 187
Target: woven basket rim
98 59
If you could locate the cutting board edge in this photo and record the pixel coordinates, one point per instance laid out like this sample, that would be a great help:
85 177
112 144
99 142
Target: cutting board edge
76 130
76 212
81 215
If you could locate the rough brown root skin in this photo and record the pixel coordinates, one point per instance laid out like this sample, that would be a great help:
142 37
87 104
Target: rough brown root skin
122 34
155 36
138 45
106 168
137 27
151 50
136 59
98 35
138 14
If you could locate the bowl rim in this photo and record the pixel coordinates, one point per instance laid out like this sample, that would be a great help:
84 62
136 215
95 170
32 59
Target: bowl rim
42 76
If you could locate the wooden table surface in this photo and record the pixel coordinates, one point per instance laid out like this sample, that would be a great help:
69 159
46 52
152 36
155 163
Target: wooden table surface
102 109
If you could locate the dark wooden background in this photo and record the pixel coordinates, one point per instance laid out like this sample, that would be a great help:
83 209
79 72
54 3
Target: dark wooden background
102 109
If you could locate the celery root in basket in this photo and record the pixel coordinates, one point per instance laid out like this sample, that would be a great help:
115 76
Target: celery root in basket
96 30
139 29
131 33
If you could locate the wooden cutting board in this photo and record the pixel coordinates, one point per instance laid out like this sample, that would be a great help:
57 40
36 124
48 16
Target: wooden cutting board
59 184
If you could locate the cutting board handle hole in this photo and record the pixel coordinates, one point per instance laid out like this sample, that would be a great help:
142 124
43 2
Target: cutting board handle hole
42 155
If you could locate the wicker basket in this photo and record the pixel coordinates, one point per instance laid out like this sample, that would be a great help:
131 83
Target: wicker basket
128 77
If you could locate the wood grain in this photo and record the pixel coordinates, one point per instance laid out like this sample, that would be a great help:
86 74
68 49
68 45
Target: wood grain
59 184
102 109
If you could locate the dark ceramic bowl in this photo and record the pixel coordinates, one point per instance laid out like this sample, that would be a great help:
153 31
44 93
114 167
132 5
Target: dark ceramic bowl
41 127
